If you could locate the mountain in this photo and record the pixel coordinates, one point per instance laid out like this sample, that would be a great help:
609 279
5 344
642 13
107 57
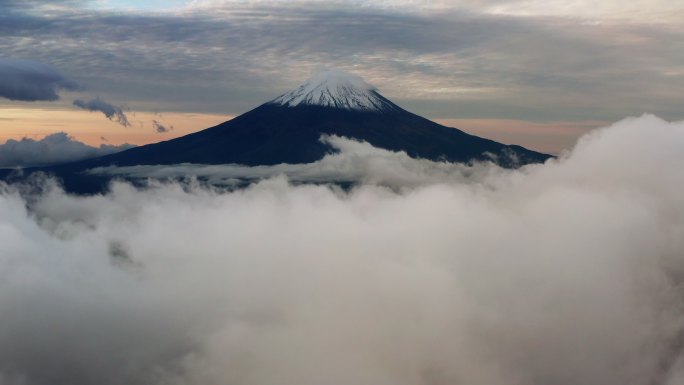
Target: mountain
288 128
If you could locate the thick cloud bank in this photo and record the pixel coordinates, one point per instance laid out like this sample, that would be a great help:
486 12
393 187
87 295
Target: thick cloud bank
29 80
568 273
112 112
54 148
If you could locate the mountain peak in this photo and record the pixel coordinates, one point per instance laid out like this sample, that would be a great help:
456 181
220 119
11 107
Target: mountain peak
337 89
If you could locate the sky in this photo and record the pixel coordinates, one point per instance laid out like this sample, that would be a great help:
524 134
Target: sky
530 72
421 272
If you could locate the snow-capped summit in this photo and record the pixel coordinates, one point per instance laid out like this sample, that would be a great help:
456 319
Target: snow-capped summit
336 89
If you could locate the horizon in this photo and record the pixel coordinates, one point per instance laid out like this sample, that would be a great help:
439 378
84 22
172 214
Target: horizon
536 74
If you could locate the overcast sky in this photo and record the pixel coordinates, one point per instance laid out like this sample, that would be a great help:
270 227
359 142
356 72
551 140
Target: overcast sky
532 72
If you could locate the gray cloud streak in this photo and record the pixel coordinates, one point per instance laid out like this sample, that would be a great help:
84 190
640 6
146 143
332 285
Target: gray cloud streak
28 80
567 273
112 112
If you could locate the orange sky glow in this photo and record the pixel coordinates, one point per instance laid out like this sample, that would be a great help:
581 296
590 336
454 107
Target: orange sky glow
94 129
91 128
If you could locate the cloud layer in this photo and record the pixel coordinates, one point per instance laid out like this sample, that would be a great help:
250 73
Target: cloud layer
352 162
55 148
532 60
112 112
29 80
567 273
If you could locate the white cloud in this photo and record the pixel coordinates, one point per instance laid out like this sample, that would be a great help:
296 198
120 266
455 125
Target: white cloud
567 273
639 11
54 148
354 161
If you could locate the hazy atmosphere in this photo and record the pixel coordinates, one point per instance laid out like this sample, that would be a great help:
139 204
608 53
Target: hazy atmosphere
274 193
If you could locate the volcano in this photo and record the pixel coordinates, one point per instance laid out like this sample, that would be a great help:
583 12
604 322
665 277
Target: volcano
288 129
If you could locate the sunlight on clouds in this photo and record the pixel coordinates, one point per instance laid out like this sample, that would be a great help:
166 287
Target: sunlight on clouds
136 5
637 10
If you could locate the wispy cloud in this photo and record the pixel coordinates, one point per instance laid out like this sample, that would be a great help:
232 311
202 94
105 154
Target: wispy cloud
112 112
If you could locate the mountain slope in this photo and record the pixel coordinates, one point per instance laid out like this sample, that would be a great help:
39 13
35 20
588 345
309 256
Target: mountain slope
287 130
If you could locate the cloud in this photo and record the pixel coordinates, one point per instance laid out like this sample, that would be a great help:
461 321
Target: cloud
566 273
467 60
112 112
661 10
353 162
29 80
161 128
54 148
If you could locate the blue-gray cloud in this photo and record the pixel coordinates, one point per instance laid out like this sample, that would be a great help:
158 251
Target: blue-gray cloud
29 80
55 148
112 112
161 128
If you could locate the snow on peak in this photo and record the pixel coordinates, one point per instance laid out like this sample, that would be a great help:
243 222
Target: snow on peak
335 89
